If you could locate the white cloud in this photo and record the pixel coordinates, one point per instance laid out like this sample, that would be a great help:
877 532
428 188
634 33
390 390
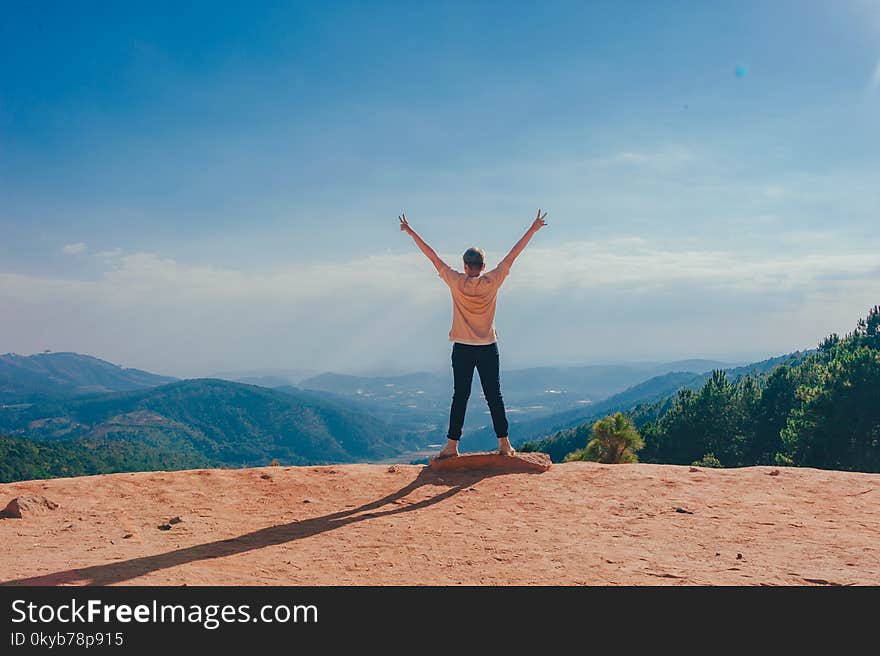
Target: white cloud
664 159
155 312
640 267
114 252
630 261
74 249
622 261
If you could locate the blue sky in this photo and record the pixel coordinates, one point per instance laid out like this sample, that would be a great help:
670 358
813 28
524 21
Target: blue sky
197 189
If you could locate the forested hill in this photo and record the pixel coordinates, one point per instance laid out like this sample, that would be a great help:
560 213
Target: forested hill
558 427
199 422
822 410
65 375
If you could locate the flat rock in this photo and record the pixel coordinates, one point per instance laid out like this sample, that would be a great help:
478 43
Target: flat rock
27 504
519 462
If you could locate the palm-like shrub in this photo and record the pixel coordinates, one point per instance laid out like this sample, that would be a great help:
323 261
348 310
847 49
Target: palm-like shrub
614 440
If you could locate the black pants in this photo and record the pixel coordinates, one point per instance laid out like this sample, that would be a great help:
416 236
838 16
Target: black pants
485 358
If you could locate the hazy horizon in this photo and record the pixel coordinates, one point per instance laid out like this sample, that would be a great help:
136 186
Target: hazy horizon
373 371
220 191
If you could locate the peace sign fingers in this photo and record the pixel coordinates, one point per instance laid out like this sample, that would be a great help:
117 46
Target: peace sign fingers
539 220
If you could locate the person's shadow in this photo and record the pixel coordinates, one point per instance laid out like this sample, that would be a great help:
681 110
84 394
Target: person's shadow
118 571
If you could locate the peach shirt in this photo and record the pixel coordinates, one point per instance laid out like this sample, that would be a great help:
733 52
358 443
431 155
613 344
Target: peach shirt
473 303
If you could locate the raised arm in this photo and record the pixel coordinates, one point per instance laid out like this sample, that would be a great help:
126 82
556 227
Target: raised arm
519 246
427 250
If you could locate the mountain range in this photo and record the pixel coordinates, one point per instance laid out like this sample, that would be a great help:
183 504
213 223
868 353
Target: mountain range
194 423
420 401
563 433
648 391
69 414
67 375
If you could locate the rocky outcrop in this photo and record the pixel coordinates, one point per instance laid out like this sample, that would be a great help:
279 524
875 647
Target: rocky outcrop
27 504
492 460
579 523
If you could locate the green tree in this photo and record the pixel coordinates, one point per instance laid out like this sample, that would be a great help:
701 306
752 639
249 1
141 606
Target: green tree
778 398
614 440
710 420
822 411
837 424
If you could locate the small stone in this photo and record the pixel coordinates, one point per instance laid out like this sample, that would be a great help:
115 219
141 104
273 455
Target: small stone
392 469
682 510
175 520
164 527
775 472
717 554
739 556
27 504
693 469
266 477
307 500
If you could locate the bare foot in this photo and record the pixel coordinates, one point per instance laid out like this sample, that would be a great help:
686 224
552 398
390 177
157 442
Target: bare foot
504 447
449 451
